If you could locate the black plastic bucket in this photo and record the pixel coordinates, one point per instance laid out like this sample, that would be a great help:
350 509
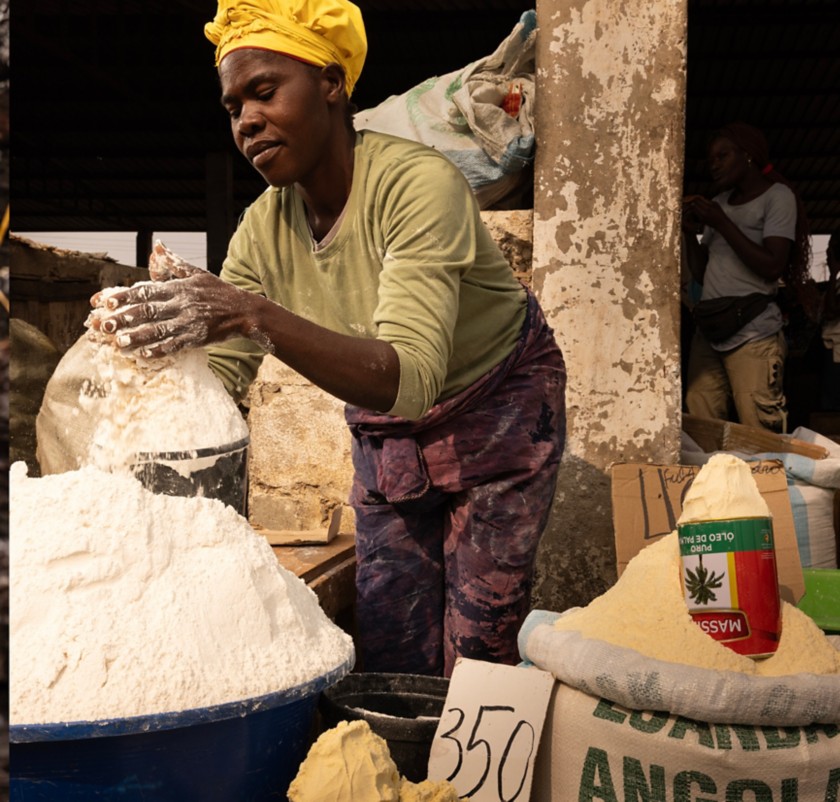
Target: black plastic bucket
220 472
404 709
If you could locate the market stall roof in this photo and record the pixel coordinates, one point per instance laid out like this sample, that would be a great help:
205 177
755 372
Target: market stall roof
115 109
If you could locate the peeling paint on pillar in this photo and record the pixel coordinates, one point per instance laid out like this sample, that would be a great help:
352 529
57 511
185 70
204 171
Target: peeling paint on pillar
609 161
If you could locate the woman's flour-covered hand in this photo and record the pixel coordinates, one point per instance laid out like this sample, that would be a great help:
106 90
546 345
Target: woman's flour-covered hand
187 307
183 307
165 265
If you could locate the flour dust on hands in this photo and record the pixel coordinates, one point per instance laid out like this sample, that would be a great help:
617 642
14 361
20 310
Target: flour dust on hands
151 318
165 265
156 318
183 307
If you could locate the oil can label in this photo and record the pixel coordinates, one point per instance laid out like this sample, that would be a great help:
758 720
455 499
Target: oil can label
730 583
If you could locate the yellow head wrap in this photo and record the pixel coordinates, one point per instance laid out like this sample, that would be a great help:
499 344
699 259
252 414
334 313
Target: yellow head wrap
320 32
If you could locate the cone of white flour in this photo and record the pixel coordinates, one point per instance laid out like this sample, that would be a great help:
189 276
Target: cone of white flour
126 603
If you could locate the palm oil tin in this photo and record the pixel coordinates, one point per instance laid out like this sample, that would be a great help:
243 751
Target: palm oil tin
730 582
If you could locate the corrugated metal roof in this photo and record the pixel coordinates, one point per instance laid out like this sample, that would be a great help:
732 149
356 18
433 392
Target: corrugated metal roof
115 105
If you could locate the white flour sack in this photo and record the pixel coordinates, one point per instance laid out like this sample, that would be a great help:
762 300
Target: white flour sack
102 407
648 706
127 603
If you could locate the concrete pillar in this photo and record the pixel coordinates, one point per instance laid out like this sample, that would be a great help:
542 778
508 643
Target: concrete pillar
609 164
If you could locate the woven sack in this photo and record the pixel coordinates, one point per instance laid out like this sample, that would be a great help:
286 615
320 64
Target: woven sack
623 726
594 749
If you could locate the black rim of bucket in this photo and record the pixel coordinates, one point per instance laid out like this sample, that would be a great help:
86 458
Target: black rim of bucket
344 701
385 682
197 453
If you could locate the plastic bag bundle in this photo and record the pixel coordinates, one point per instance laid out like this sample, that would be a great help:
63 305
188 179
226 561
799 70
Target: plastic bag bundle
480 117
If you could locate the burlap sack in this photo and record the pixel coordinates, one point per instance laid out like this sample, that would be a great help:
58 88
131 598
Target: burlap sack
34 358
594 749
624 726
461 115
64 428
90 415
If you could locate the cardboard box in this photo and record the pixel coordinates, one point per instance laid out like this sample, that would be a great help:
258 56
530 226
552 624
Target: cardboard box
647 501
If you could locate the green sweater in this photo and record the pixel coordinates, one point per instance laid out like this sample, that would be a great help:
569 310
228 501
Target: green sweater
410 263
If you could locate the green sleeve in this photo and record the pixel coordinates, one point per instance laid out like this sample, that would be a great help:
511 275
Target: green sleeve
236 361
430 219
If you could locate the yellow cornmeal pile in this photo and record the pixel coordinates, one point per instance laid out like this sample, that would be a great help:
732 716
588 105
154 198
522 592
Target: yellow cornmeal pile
646 611
350 763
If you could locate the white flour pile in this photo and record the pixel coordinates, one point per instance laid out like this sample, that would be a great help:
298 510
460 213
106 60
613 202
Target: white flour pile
127 603
175 403
646 611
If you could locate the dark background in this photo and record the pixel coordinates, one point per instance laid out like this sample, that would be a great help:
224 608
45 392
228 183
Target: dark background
115 103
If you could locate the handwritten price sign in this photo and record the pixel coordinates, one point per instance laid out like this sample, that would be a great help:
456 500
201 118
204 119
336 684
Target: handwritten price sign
490 729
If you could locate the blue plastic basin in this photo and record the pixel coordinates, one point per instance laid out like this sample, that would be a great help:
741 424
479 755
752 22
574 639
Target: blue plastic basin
245 751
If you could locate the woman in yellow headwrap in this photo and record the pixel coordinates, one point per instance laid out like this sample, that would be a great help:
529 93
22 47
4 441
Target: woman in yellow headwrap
365 266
